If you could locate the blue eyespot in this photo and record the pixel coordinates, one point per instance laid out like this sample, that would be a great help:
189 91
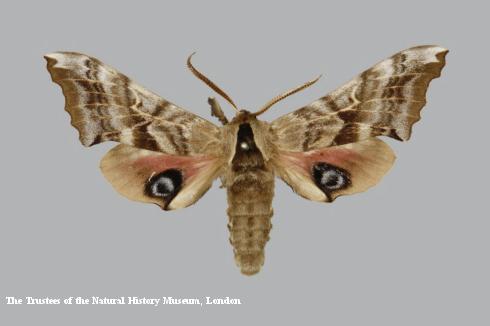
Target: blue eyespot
330 178
165 184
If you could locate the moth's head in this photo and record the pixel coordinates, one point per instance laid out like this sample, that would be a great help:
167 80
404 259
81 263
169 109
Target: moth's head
240 113
243 116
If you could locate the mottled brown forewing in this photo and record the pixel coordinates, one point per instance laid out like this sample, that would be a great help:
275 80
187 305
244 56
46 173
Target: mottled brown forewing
106 105
384 100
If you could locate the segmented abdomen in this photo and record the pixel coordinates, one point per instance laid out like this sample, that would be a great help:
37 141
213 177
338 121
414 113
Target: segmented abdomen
249 217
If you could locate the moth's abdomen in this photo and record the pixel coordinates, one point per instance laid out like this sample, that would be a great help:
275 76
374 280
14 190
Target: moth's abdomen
249 217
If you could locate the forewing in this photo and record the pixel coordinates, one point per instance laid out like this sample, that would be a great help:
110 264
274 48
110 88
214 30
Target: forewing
170 181
384 100
106 105
324 174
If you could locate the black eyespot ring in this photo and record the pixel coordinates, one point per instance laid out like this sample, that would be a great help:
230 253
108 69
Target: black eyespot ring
330 178
164 185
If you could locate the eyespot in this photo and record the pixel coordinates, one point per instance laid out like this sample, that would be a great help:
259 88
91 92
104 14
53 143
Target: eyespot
330 178
162 187
165 184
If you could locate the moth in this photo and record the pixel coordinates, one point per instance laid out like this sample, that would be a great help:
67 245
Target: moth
169 156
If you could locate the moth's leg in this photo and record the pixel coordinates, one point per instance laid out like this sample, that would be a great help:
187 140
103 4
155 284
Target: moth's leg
216 110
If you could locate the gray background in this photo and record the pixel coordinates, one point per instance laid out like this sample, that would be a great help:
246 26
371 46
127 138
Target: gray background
411 251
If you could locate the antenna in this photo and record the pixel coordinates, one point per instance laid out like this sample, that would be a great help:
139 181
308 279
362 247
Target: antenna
208 82
284 95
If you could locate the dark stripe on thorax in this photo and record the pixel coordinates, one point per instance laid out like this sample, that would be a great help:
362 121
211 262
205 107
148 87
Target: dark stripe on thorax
249 158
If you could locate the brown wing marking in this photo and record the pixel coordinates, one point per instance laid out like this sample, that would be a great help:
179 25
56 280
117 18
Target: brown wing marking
384 100
106 105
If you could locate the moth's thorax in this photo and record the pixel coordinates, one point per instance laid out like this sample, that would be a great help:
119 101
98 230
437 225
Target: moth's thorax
256 139
245 150
247 154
